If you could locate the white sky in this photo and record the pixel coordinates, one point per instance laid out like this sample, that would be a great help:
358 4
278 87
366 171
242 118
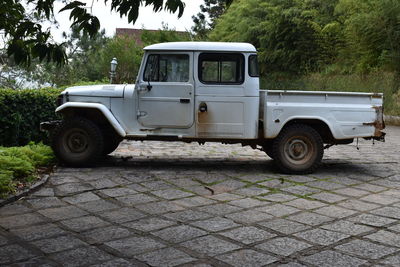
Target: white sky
147 18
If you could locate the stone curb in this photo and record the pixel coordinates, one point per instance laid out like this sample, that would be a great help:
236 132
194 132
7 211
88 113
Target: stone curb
24 193
392 120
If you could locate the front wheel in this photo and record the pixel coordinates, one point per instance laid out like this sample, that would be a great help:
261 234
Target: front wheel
298 149
78 142
111 141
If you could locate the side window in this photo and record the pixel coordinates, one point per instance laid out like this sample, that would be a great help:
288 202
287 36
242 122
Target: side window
151 70
253 66
218 68
167 68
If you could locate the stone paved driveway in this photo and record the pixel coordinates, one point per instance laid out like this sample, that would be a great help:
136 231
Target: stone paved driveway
167 204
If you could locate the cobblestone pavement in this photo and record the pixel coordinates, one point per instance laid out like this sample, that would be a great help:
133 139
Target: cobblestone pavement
167 204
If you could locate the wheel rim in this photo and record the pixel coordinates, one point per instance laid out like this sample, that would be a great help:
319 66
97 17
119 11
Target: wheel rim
76 141
298 150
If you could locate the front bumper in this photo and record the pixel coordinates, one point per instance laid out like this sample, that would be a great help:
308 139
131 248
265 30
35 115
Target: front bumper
48 126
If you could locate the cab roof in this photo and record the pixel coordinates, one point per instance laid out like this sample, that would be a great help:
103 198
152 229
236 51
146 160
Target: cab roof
202 46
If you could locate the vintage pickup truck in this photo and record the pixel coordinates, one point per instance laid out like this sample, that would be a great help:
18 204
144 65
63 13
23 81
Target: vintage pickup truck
209 92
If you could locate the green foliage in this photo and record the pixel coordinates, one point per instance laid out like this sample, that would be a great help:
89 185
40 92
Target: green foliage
27 39
205 20
35 154
18 167
165 34
81 18
128 54
289 34
12 76
6 184
83 57
18 164
372 32
21 112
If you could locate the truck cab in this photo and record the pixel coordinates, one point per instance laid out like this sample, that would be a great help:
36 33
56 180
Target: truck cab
210 92
198 90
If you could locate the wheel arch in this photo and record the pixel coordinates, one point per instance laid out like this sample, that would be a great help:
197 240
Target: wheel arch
95 112
318 124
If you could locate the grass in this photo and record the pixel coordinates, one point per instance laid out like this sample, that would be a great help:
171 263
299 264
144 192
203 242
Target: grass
20 166
379 82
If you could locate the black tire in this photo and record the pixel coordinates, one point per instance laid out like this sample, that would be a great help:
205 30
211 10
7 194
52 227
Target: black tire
268 150
298 149
78 142
111 141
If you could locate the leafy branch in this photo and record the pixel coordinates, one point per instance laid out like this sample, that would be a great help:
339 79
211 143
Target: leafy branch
28 40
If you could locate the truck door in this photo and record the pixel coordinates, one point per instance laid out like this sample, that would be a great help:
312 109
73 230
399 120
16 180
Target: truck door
166 91
224 106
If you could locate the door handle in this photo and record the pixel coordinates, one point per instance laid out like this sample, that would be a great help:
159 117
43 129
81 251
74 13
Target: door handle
185 100
142 88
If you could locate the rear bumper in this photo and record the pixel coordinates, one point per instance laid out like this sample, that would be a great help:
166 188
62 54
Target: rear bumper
48 126
379 124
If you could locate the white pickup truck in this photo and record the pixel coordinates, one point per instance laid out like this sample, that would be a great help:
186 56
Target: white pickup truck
209 92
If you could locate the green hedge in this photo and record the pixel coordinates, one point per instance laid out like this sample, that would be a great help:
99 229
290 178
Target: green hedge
21 112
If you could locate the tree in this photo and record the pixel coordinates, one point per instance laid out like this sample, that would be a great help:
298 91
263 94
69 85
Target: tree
372 31
288 33
205 20
82 53
28 40
165 34
128 54
14 76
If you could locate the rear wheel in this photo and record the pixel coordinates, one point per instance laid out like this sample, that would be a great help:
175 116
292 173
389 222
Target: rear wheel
267 148
78 142
298 149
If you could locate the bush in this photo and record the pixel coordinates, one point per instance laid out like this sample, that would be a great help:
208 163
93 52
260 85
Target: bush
19 164
16 166
6 184
35 154
21 112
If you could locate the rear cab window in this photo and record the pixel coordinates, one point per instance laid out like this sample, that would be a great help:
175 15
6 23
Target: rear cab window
254 70
221 68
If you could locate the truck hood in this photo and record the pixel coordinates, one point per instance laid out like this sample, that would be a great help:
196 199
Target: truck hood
104 90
